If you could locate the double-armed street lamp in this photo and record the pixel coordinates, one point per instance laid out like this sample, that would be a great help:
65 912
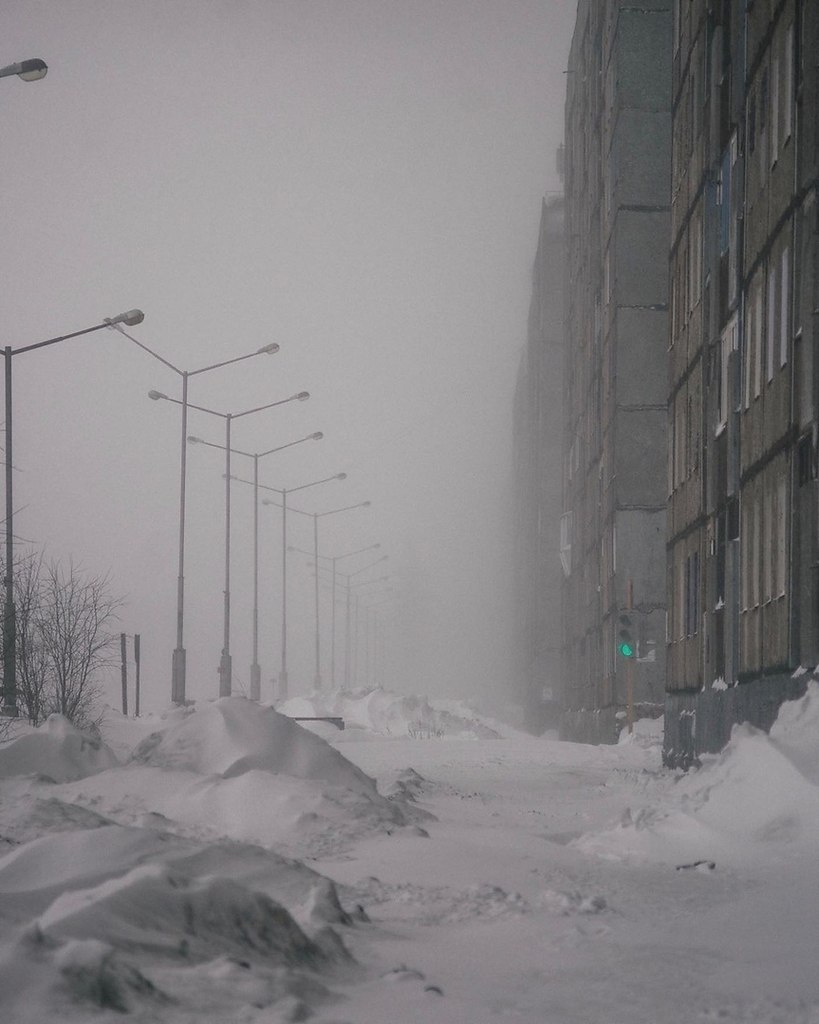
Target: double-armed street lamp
255 668
333 559
315 517
225 662
29 70
179 659
131 318
284 493
351 653
348 577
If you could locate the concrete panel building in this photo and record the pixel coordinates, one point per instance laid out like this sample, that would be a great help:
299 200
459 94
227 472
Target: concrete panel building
743 591
537 432
613 527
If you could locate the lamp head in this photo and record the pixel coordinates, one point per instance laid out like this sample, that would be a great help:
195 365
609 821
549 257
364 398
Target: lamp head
195 440
32 70
366 504
341 476
302 396
317 436
131 318
268 349
156 395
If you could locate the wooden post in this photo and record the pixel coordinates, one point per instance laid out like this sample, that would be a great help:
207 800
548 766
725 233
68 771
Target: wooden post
124 663
136 659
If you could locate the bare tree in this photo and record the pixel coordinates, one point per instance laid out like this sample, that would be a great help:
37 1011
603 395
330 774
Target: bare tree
65 638
32 661
75 617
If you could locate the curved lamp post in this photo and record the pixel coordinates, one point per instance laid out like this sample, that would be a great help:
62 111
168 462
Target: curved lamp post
179 658
255 668
131 318
225 664
28 70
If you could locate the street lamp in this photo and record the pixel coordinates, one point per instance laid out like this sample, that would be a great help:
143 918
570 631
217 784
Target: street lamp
284 492
225 664
28 70
334 559
178 660
255 668
316 516
348 576
131 318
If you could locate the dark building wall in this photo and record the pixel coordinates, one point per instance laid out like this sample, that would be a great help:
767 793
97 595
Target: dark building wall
614 471
537 452
742 402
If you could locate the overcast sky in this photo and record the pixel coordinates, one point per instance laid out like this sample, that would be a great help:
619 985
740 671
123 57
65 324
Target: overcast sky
357 180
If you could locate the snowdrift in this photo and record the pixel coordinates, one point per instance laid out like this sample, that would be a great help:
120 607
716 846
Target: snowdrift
129 885
389 714
755 801
56 750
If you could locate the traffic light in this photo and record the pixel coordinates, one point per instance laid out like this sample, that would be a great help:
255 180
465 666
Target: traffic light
625 639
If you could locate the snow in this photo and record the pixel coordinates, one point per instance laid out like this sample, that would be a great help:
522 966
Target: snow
224 863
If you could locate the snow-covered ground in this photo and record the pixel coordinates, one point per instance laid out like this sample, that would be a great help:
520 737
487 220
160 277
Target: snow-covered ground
223 863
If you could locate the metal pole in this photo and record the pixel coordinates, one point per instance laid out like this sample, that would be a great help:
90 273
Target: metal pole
137 675
283 675
317 682
355 640
347 641
9 612
366 646
255 668
123 657
178 663
224 664
333 632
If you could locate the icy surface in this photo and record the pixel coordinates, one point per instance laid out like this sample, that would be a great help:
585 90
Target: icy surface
224 863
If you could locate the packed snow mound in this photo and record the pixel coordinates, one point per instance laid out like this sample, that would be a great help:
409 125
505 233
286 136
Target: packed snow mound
796 732
758 799
131 919
233 736
58 750
391 714
155 909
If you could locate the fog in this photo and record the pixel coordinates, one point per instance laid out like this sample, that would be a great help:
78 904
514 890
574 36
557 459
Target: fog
357 180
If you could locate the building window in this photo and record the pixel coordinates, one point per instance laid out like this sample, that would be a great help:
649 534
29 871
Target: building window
768 531
695 240
772 322
781 537
784 308
764 99
753 555
774 110
692 594
747 352
787 119
727 345
759 339
745 568
566 543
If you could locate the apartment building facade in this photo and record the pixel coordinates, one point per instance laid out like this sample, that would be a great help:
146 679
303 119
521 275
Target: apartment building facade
537 431
613 526
743 589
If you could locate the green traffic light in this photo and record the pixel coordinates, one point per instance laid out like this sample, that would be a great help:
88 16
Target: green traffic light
626 649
